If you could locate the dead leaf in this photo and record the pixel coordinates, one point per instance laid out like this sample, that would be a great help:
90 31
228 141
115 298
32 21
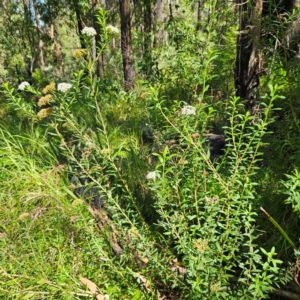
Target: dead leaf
73 219
144 94
174 266
106 226
180 270
143 280
93 288
142 258
23 216
145 260
3 235
195 136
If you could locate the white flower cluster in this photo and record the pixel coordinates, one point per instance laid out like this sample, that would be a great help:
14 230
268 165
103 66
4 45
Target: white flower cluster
188 110
151 176
23 85
89 31
113 29
63 87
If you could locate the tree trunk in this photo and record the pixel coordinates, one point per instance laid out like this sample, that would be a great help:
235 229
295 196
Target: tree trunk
249 56
292 34
138 13
158 20
126 47
171 16
98 40
147 34
39 34
199 17
80 23
27 25
57 47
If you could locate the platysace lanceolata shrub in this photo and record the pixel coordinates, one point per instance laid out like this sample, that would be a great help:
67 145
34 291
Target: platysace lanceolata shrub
208 211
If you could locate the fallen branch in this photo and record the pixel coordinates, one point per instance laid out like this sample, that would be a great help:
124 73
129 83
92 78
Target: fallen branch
285 294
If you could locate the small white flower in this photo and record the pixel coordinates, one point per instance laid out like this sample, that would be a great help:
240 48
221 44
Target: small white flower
188 110
113 29
89 31
23 85
63 87
151 175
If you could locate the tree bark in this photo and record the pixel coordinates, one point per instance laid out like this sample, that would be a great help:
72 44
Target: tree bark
171 16
80 23
158 20
292 34
98 40
249 61
27 25
147 34
126 46
199 17
39 34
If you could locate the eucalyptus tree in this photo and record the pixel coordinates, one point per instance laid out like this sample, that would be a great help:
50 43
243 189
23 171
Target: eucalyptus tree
126 43
18 38
249 56
39 34
147 30
157 19
98 40
256 18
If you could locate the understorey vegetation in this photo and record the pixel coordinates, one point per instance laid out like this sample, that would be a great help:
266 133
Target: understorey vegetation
149 157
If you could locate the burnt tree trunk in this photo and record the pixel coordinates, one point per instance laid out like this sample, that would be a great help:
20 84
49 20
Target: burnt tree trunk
248 67
126 47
